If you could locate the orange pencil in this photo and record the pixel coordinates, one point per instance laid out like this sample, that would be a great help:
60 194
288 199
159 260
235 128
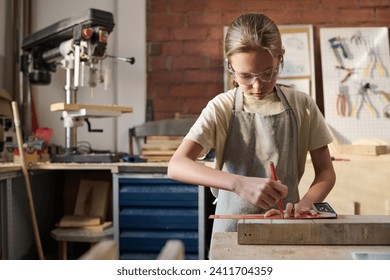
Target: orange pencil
273 176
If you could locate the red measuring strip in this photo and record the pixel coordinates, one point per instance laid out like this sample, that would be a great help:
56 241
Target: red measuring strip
259 216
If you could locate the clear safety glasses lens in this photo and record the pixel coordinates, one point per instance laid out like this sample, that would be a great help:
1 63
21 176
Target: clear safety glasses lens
249 78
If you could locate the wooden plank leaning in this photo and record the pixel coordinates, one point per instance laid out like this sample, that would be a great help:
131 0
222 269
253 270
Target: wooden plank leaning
27 179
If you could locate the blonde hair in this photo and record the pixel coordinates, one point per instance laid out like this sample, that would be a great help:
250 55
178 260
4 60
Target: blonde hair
252 31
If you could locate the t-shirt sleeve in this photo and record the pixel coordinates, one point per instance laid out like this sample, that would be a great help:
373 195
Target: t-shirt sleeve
210 128
313 132
203 130
319 134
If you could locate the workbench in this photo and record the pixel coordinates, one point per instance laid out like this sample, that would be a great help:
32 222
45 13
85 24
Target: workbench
362 187
10 211
224 246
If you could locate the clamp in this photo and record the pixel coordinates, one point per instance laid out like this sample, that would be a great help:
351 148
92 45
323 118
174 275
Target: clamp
336 43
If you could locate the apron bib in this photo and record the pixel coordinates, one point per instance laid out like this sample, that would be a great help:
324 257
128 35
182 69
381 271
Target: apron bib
253 140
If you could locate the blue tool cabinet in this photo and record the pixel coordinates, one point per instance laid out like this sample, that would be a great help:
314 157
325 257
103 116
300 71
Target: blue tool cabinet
152 209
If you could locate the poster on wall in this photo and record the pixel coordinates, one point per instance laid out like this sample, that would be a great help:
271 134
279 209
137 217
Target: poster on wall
298 70
356 83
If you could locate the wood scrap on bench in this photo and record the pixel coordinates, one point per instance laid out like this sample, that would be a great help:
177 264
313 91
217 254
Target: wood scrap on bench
360 147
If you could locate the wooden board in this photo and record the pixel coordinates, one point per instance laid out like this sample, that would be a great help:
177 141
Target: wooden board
92 198
79 221
83 222
362 148
103 250
157 153
346 230
157 158
98 228
75 107
162 143
172 250
160 148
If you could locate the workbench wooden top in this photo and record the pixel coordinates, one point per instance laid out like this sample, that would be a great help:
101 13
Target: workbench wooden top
5 167
114 167
224 246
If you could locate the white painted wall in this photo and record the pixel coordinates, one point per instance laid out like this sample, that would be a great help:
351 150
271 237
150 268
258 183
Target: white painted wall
2 42
2 25
128 86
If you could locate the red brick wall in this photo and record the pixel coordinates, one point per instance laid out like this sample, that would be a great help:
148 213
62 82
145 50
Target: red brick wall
185 38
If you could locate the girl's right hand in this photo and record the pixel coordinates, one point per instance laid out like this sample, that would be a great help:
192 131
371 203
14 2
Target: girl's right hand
262 192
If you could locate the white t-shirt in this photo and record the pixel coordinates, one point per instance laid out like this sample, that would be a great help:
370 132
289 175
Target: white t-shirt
211 127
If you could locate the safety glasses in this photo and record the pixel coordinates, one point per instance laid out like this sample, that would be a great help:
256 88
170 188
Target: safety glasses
249 78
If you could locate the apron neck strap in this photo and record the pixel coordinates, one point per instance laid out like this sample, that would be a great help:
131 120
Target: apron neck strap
282 97
239 99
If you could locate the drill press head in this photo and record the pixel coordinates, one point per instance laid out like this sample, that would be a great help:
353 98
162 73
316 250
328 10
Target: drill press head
46 48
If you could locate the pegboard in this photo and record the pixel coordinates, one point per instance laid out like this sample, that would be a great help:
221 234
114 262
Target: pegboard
356 82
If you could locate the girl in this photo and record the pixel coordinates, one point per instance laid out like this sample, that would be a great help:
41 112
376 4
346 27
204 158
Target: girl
253 124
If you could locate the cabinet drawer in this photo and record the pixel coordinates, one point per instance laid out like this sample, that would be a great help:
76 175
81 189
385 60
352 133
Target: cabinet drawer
153 211
159 196
157 218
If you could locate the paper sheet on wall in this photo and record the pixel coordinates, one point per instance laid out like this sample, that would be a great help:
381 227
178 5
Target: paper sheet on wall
297 63
356 82
298 70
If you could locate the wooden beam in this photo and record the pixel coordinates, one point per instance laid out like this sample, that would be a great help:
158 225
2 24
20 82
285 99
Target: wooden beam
363 148
172 250
103 250
345 230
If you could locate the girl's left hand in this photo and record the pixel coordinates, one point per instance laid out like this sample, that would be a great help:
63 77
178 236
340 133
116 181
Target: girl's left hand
292 210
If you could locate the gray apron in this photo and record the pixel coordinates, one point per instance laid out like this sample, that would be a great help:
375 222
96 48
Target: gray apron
252 141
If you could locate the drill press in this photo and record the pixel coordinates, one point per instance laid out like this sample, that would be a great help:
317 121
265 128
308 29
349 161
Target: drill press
73 43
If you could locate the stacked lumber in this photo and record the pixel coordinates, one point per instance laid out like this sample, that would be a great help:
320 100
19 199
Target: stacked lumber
160 148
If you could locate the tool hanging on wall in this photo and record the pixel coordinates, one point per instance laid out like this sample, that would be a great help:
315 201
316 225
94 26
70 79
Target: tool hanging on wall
358 39
342 102
336 43
349 73
363 100
374 67
27 180
386 108
386 111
